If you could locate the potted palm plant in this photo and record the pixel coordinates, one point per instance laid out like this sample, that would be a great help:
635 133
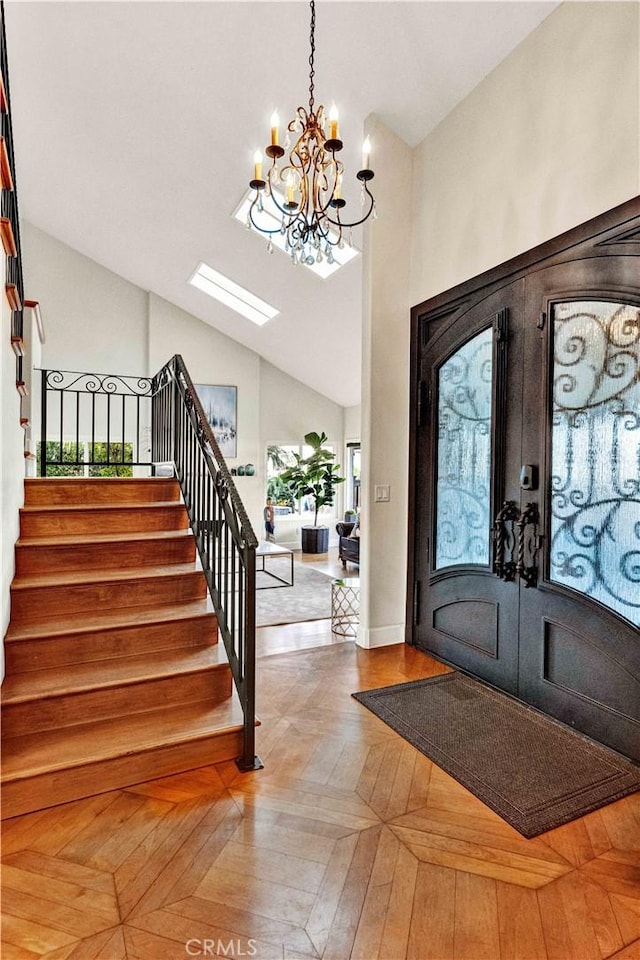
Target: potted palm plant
315 476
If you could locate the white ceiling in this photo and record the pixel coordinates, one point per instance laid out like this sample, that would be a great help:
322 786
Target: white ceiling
135 125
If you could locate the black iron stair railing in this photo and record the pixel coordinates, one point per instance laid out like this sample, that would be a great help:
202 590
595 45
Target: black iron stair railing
92 421
10 229
225 539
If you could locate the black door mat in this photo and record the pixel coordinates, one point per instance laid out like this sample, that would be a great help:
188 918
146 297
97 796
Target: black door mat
533 771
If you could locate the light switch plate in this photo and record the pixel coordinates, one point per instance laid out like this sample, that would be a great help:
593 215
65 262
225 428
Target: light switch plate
382 492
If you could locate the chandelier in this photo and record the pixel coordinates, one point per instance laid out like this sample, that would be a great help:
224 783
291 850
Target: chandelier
305 192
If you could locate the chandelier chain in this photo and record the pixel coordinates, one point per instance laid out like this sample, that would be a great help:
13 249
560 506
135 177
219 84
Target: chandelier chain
312 41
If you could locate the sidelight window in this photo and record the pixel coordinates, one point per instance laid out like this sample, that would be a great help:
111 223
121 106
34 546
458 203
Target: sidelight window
463 486
595 469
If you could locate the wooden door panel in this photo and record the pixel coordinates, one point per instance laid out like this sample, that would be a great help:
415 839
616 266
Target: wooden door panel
579 652
467 615
581 680
471 622
577 664
564 636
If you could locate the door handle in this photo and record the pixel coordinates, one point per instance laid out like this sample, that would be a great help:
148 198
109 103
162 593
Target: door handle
515 546
504 541
529 543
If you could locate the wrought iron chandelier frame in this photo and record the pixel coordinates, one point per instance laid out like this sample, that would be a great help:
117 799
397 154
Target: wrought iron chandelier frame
314 172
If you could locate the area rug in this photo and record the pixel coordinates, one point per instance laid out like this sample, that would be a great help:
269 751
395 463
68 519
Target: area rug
534 772
308 599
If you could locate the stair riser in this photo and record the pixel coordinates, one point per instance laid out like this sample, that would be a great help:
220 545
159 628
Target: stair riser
99 556
50 789
55 748
33 603
50 523
74 491
25 655
212 685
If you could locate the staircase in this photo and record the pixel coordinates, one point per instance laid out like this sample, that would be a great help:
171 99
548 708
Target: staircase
113 671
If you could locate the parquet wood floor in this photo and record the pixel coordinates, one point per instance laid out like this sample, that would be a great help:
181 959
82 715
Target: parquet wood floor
349 844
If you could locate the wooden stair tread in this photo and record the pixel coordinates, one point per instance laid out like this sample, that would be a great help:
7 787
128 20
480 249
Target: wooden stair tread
115 672
69 508
88 481
110 619
81 539
103 576
56 750
55 489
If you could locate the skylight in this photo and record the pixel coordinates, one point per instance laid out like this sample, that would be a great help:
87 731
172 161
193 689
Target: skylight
323 269
216 285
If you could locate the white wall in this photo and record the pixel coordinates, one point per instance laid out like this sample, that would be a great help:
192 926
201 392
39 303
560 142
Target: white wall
385 393
548 140
212 358
97 321
352 423
289 410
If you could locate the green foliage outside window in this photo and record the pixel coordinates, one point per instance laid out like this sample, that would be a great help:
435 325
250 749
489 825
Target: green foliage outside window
67 465
280 493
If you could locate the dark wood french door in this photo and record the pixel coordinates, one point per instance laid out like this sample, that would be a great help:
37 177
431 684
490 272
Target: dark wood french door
524 557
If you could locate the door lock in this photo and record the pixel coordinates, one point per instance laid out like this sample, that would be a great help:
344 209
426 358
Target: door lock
528 477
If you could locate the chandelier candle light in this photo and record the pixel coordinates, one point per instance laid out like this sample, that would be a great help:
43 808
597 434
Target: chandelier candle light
306 191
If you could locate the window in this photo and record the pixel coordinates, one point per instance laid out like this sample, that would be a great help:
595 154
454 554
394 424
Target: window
73 459
353 477
272 218
221 288
279 457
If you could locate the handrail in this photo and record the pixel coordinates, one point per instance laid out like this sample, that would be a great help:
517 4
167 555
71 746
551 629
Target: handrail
9 215
226 542
87 414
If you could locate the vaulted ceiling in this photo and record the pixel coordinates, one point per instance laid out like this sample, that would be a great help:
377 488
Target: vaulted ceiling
135 125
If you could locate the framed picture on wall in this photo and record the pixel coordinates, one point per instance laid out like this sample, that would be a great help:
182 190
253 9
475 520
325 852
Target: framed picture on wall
220 405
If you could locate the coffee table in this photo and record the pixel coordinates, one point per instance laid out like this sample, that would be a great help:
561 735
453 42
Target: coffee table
267 551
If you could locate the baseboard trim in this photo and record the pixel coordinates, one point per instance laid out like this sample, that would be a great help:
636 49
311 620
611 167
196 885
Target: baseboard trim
381 636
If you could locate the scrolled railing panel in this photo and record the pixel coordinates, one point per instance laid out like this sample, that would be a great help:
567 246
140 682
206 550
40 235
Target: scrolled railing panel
94 420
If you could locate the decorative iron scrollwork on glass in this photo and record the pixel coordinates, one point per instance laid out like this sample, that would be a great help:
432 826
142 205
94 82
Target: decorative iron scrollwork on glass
595 482
465 389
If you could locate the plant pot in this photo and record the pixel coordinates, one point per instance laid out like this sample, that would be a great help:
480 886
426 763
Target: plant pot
315 539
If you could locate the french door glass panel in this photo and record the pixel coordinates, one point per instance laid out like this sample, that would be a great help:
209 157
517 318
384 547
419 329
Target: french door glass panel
463 486
595 453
